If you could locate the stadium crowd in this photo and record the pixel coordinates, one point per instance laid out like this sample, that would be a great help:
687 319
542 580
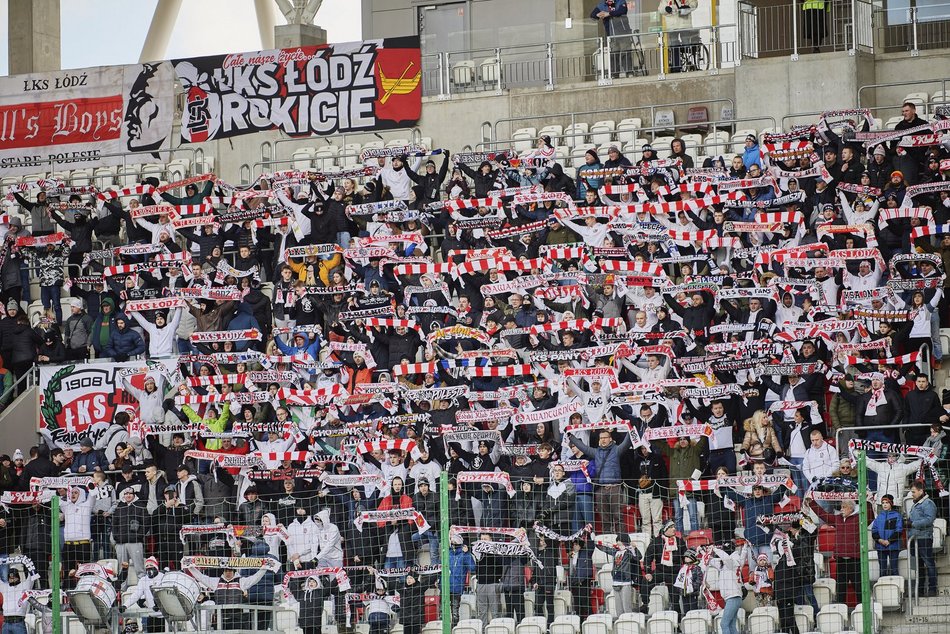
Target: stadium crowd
585 357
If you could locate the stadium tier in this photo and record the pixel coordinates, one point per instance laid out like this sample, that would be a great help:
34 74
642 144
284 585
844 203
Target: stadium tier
614 374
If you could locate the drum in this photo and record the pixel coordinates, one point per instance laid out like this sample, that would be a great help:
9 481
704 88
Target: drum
100 589
184 586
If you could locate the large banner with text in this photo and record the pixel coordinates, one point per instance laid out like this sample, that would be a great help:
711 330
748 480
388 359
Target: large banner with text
73 119
75 397
306 91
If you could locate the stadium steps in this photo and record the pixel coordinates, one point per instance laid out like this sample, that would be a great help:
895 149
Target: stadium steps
931 615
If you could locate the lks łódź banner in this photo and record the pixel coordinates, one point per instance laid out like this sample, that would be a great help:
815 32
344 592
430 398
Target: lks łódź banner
305 91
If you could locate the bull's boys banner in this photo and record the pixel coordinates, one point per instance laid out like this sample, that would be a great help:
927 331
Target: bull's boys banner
75 397
305 91
71 119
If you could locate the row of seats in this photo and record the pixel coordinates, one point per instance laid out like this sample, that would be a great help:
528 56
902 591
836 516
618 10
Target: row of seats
926 103
121 175
330 157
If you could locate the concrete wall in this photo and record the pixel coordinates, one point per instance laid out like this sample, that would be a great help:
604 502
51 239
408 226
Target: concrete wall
901 67
779 87
19 422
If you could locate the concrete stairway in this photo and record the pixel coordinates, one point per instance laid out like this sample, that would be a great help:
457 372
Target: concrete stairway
930 615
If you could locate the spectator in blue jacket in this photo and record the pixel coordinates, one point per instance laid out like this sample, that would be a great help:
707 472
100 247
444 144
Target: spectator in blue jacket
608 495
607 10
920 525
751 156
591 164
302 344
243 320
88 459
761 503
886 531
123 341
584 492
461 565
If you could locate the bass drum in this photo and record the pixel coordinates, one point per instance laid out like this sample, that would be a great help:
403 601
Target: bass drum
185 585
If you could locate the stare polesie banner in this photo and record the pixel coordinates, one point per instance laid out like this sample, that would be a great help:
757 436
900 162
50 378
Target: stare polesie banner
305 91
72 119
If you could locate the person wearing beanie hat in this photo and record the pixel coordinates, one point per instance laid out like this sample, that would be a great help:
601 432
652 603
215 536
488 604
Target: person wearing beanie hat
123 341
430 181
129 525
589 175
662 560
750 152
886 531
616 160
394 175
163 333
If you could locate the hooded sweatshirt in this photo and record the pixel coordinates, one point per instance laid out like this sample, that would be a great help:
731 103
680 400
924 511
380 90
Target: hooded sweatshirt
327 542
102 327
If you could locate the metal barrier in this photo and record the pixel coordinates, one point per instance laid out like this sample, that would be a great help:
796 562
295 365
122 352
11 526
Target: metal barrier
658 53
943 83
912 28
651 132
591 115
208 618
781 29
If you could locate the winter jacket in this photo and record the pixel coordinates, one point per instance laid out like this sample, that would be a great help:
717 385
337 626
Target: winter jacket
243 320
847 531
80 230
189 492
78 331
606 459
842 412
91 460
50 265
10 271
892 478
129 523
217 425
78 517
484 183
751 156
753 509
161 341
920 519
326 537
888 525
429 184
124 343
21 342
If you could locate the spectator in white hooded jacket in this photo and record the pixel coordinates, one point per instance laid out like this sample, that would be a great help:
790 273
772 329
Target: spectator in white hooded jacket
300 537
892 475
820 459
163 334
327 541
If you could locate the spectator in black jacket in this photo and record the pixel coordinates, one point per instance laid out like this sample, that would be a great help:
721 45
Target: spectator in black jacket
80 230
429 182
45 465
922 407
129 523
484 179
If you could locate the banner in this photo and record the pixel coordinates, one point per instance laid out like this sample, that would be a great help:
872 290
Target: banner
304 91
75 397
69 119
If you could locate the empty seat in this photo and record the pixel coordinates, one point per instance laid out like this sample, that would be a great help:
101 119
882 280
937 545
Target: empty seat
890 123
832 618
302 159
627 129
500 626
696 117
804 618
663 622
81 177
630 623
826 590
532 625
716 143
523 139
468 626
575 134
857 617
764 620
601 132
659 599
463 73
598 624
562 603
920 100
467 607
641 541
397 142
697 622
940 531
285 620
566 624
489 71
664 120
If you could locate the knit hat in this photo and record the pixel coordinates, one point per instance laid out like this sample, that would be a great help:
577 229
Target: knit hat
592 152
151 562
880 151
17 455
751 137
16 222
689 554
13 305
897 173
623 538
613 148
75 302
668 525
647 147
